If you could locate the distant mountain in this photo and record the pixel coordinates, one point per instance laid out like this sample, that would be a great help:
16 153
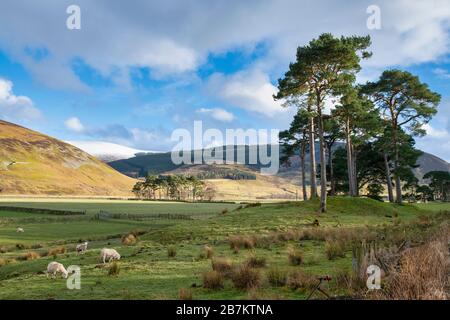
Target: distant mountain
162 163
107 151
33 163
428 162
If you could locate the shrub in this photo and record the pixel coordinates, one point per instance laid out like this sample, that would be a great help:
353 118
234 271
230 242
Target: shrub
422 275
185 294
300 280
213 280
32 255
209 251
276 277
57 250
129 239
171 251
255 262
225 211
222 265
237 242
334 249
245 278
114 269
295 256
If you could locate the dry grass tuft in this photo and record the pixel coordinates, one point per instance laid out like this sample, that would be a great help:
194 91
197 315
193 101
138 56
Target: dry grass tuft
295 256
422 273
222 265
185 294
209 251
57 250
256 262
245 278
300 280
276 277
213 280
129 239
334 249
32 255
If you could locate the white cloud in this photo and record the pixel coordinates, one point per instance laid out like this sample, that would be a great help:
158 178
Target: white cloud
16 108
174 37
74 124
217 114
441 73
249 89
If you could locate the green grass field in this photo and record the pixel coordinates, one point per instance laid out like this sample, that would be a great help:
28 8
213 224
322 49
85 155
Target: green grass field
146 270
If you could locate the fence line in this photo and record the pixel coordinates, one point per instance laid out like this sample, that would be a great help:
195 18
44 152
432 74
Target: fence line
104 215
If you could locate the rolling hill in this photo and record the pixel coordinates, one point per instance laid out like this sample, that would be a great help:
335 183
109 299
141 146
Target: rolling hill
141 165
35 164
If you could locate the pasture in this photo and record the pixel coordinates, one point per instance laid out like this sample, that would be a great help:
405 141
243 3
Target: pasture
274 233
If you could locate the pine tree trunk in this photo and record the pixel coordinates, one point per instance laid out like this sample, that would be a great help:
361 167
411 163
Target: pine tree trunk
388 178
355 178
302 162
312 153
351 190
330 164
323 167
398 185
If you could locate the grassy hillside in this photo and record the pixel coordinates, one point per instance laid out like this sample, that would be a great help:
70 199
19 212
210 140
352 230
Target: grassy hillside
33 163
270 232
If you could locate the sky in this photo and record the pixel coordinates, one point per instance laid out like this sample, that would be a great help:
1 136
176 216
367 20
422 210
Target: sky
138 70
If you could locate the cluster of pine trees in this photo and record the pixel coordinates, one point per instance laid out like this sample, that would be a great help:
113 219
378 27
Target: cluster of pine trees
377 120
173 187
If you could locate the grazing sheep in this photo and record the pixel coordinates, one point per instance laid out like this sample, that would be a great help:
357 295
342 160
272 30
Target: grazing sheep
81 248
20 230
54 267
109 255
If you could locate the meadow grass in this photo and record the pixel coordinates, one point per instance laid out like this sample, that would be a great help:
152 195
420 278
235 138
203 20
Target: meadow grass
148 272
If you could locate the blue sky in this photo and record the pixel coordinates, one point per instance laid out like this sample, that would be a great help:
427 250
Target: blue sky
135 72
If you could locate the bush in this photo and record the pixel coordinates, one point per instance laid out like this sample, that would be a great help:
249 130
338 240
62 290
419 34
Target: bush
222 265
171 251
255 262
245 278
213 280
225 211
114 269
184 294
300 280
295 256
276 277
209 251
129 239
334 249
29 256
422 273
237 242
56 251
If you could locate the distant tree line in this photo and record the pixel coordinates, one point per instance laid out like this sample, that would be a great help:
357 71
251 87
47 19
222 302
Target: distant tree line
377 122
173 187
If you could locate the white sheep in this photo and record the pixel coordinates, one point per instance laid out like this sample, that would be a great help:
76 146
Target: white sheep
109 255
81 248
55 267
20 230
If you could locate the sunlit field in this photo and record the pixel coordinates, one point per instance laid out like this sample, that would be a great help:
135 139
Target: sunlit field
170 253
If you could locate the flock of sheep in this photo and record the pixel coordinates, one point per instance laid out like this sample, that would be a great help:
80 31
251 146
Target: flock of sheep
106 255
53 268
